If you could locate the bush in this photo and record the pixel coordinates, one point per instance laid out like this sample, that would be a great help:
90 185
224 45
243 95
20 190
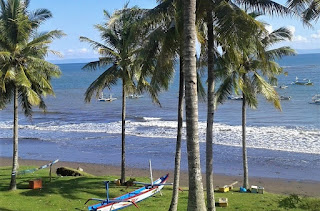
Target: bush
290 202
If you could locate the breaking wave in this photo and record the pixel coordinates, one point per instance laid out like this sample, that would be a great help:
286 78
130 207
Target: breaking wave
298 139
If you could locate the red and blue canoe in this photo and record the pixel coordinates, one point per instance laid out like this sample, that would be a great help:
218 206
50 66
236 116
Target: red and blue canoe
130 198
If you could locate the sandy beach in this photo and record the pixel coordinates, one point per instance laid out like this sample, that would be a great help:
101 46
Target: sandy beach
273 185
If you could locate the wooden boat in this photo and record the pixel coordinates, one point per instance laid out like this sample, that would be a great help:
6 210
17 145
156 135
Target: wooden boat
130 198
134 96
315 99
306 82
283 87
110 99
285 97
232 97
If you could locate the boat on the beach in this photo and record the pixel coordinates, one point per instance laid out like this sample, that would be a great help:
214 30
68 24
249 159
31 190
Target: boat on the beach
130 198
305 81
315 99
109 99
232 97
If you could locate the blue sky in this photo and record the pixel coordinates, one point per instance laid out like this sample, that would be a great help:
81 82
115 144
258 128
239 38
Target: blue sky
77 17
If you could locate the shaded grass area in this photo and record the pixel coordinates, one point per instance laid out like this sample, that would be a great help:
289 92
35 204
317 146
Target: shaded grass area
70 193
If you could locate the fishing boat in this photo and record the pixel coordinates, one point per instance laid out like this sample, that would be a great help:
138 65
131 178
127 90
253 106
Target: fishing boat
134 96
283 87
232 97
285 97
315 99
130 198
305 81
149 189
109 99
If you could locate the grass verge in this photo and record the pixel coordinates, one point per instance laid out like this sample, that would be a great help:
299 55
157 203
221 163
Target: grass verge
70 193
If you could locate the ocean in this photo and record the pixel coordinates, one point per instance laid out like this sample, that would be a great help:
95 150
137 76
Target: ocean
281 144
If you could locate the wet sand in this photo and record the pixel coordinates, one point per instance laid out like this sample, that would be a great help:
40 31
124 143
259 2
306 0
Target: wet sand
273 185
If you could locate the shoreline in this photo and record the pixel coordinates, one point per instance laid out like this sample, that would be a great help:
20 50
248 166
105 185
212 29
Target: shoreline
272 185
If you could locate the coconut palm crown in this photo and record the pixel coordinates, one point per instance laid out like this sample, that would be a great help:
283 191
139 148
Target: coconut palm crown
24 74
121 59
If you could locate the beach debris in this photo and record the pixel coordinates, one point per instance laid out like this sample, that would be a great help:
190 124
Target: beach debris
35 184
223 202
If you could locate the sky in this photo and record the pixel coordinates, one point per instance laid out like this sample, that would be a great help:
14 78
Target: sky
77 18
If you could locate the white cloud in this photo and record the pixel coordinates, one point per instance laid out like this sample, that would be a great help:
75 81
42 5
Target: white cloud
83 50
317 35
297 38
292 29
269 28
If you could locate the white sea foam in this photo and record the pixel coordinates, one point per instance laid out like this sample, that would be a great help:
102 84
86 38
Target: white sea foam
298 139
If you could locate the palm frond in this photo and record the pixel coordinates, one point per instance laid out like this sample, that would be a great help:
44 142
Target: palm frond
107 79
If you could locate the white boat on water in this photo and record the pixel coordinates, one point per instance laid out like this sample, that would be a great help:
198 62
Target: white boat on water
283 87
134 96
285 97
109 99
232 97
305 81
315 99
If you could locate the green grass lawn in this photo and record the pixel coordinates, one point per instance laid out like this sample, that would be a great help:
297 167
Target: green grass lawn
70 193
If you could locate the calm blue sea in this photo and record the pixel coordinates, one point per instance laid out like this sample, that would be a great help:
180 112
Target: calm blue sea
282 144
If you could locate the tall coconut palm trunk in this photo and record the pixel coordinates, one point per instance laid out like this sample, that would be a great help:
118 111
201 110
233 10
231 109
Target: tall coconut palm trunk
196 196
123 135
210 116
176 179
15 164
244 145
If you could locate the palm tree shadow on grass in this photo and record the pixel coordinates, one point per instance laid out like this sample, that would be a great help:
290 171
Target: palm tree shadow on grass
5 209
78 188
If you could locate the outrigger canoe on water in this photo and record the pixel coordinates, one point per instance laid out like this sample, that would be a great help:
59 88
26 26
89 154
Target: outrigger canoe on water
130 198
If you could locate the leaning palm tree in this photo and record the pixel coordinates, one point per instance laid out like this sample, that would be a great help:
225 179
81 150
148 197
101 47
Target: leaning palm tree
247 72
25 75
120 56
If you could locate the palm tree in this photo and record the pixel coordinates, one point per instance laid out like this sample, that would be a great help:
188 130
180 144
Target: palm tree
308 9
227 13
25 75
247 73
196 196
120 56
169 37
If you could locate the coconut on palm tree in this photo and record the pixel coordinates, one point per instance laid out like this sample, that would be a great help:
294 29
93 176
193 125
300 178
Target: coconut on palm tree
25 75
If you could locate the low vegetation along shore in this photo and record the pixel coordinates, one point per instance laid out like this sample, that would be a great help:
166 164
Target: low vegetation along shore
70 193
